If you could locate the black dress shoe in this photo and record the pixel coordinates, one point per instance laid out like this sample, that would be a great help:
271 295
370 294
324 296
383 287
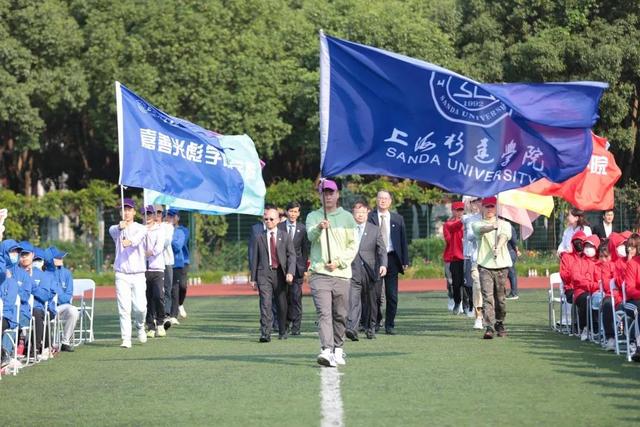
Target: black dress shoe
265 338
67 347
371 335
283 336
295 332
390 331
352 335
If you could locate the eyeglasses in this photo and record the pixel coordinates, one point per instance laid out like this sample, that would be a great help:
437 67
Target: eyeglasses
25 253
270 219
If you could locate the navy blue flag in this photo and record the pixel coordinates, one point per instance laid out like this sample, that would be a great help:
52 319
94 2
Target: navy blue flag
383 113
173 156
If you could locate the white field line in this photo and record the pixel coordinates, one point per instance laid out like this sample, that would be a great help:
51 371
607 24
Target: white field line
331 405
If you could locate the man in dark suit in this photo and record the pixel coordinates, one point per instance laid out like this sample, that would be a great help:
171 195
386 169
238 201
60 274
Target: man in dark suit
395 238
298 233
369 265
604 228
273 262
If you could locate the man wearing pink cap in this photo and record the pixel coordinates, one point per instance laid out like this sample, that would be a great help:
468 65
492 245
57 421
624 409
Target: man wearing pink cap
333 248
493 265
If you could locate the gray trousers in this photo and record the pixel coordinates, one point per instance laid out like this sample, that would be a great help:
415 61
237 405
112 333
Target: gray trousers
273 289
492 282
330 296
360 303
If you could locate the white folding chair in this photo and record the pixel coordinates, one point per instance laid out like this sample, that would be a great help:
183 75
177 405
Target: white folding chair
594 303
29 334
557 297
13 336
84 329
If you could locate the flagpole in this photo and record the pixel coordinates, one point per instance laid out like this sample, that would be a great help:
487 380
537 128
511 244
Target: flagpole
122 201
324 210
495 244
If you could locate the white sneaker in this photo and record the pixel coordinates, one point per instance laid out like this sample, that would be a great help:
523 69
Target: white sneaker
46 353
325 358
451 304
160 332
471 313
142 336
585 334
478 323
126 344
182 312
14 364
460 310
610 345
174 321
339 356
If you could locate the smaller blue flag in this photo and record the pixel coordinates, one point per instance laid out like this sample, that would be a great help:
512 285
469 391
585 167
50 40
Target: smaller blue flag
241 153
173 156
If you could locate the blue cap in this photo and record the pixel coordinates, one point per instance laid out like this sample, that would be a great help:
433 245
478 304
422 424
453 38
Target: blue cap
37 253
172 212
25 246
9 245
57 253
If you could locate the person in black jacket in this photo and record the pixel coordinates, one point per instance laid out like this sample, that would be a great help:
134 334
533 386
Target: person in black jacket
604 228
298 233
395 238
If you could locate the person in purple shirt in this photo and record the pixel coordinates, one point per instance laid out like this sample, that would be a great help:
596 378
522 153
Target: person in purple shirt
154 248
130 267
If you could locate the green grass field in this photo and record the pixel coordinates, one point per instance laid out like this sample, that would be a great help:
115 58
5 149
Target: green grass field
212 371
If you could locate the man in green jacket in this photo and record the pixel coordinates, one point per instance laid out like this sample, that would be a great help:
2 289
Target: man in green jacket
333 248
493 266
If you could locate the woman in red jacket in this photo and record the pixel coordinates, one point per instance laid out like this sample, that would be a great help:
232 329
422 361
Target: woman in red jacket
608 273
632 283
585 278
568 260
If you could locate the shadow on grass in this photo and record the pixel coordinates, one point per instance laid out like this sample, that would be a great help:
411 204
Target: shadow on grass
270 359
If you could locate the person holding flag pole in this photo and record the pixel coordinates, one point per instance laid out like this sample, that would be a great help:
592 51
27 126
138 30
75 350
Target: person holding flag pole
130 267
493 264
332 233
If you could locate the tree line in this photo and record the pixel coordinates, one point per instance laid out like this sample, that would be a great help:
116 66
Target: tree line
251 66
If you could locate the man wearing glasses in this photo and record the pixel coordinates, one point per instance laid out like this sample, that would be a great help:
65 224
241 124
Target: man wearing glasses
493 265
273 263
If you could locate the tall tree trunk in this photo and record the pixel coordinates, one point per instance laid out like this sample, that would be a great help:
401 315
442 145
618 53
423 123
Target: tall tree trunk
631 161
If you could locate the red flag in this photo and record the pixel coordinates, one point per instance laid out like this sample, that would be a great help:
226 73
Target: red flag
590 190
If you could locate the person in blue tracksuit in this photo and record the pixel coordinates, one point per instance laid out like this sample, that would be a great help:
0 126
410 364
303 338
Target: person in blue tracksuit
177 245
8 294
22 278
185 270
63 279
41 289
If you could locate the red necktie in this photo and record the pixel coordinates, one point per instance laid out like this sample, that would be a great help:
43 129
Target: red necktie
272 246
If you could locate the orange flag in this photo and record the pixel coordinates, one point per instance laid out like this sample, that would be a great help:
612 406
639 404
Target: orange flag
590 190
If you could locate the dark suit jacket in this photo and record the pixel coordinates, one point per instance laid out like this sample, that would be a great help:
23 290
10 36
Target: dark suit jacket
398 235
598 230
372 254
260 261
256 229
301 244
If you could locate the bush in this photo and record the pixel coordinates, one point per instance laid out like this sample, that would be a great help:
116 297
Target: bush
231 256
426 250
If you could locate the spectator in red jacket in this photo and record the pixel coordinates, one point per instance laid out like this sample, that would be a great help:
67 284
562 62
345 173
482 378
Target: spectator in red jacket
453 254
585 279
568 260
632 283
616 270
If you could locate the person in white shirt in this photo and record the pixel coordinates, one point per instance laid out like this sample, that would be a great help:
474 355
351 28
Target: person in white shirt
575 221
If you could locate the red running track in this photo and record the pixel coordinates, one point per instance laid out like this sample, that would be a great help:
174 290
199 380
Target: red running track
409 285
